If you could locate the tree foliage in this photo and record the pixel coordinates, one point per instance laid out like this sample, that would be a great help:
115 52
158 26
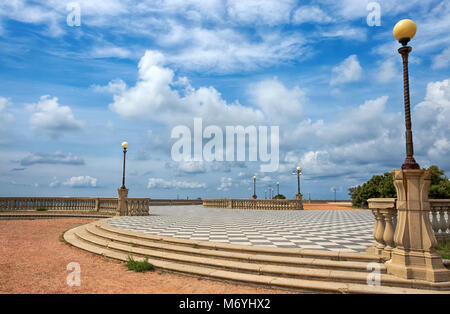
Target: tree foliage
381 186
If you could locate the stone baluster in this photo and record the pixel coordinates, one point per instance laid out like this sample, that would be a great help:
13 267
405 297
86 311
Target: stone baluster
383 210
388 215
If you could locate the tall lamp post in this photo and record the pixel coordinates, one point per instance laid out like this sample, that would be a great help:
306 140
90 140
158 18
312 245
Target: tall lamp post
124 146
412 252
122 205
254 187
278 188
404 31
299 173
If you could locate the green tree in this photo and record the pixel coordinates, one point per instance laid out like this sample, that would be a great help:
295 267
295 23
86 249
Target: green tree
380 186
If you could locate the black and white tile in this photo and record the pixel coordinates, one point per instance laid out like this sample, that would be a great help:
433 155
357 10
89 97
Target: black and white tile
347 230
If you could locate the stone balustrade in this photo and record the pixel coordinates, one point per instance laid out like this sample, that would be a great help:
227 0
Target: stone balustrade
385 214
136 206
277 204
439 212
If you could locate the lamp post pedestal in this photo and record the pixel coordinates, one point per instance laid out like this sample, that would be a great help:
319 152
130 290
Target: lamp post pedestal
122 204
414 255
298 196
254 196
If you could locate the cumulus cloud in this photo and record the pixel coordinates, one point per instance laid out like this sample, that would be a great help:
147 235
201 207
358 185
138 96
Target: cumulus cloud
348 70
51 118
81 182
52 158
310 14
432 117
279 103
169 184
154 98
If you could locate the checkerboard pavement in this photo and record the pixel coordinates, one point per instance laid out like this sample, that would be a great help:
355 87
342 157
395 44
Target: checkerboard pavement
347 230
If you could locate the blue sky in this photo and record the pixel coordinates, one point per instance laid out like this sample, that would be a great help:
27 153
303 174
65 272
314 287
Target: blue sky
69 95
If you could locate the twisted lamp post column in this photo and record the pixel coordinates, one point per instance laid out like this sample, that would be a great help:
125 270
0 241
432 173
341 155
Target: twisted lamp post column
410 162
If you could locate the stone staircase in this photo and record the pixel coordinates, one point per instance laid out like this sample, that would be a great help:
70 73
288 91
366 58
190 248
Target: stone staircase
291 269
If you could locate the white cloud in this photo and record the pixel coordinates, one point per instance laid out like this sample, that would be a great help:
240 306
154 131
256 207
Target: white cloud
166 184
279 103
6 117
154 98
442 60
310 14
387 71
348 70
432 118
51 118
51 158
111 52
81 182
260 11
225 50
225 184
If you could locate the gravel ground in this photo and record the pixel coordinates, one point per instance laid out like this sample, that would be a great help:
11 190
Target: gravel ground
33 259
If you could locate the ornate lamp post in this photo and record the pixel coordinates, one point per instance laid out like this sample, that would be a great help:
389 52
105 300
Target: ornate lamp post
404 31
278 188
414 255
299 173
254 188
124 146
122 206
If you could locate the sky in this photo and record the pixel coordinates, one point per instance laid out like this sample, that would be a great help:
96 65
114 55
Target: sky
77 78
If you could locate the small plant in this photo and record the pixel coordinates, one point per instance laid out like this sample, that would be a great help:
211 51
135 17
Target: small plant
443 248
41 209
196 246
139 266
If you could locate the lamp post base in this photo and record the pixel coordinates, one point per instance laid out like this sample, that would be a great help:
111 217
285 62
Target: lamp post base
122 204
299 196
254 197
415 256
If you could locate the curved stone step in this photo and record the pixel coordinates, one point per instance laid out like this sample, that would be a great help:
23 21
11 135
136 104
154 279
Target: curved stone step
287 252
289 277
155 249
269 281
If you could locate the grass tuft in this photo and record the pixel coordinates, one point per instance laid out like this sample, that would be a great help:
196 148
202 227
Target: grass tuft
139 266
443 248
41 209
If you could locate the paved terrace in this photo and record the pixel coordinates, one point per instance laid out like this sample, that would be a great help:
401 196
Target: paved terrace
349 230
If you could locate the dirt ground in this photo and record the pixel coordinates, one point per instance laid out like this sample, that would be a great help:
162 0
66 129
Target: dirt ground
33 259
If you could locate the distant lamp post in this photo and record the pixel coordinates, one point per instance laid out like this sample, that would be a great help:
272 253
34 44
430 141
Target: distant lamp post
404 31
334 190
122 204
278 188
125 146
254 187
299 173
